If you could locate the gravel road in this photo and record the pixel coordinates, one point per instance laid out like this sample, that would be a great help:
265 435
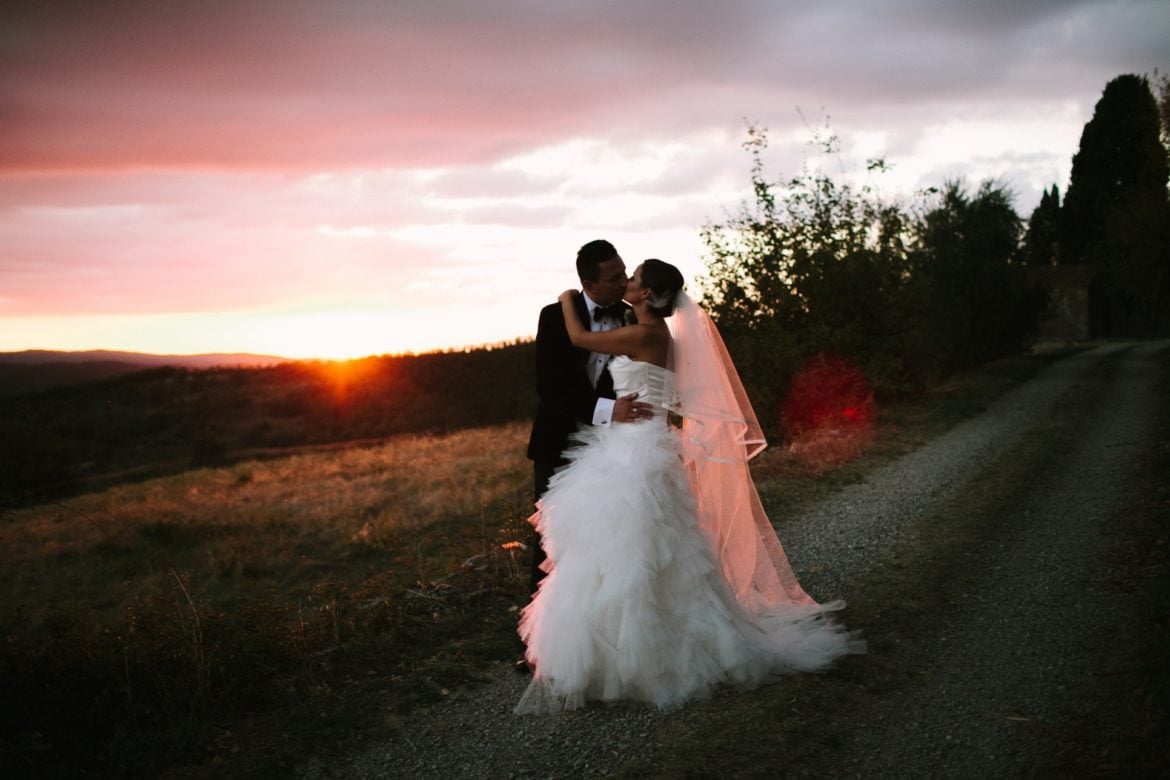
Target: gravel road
1046 467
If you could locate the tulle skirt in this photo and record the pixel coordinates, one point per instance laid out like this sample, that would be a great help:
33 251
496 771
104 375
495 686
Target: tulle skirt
634 606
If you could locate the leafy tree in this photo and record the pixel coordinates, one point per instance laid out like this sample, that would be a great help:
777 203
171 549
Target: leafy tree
1041 244
806 267
1115 215
979 303
817 269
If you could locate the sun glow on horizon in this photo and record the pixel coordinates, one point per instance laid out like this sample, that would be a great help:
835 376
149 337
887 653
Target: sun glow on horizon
313 335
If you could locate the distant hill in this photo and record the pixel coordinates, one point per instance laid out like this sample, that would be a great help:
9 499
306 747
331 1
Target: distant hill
37 370
142 419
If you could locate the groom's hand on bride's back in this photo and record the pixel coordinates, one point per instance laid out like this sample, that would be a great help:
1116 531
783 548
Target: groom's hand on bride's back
627 409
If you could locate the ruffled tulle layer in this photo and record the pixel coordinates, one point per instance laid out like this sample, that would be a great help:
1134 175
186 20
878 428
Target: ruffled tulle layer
634 606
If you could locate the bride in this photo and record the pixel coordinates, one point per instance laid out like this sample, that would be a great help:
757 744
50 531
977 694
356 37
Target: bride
664 575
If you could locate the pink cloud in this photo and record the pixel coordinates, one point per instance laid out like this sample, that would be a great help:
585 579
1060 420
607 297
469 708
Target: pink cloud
183 156
282 84
138 259
292 84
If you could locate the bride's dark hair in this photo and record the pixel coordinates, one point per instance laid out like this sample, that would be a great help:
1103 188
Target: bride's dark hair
664 281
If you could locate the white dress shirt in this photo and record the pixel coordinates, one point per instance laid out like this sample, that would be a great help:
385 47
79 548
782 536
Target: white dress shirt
603 411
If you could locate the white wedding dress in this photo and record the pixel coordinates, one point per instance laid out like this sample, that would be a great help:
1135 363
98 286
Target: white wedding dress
635 606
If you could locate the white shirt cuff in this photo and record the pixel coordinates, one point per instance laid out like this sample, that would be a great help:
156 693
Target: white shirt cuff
603 412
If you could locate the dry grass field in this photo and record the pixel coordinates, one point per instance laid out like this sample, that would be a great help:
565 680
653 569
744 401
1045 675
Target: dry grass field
142 620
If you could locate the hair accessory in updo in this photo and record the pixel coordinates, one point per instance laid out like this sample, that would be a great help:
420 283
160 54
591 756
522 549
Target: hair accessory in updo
663 300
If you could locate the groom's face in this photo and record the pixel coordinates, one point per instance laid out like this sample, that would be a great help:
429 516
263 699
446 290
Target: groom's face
610 284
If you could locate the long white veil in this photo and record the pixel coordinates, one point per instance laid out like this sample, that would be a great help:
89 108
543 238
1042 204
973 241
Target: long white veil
719 435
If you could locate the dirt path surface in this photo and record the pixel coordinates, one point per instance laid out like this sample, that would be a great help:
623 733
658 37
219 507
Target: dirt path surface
978 567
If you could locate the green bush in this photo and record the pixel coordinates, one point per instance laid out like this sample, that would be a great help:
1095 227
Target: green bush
813 267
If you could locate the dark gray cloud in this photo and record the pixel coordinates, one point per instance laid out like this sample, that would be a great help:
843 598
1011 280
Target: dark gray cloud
292 83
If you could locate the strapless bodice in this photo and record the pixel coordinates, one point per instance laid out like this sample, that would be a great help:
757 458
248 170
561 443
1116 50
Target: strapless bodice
653 384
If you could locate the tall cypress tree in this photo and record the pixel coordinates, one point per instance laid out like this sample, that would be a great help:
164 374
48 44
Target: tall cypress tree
1042 240
1116 214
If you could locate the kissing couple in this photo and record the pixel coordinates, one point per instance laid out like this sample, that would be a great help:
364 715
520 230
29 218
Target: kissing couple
656 574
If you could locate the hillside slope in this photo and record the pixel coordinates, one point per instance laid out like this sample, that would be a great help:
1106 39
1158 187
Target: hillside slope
37 370
165 419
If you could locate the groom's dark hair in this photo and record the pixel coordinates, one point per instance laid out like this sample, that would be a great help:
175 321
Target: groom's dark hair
591 256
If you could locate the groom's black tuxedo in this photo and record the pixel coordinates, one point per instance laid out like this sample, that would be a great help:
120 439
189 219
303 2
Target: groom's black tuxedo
566 398
562 385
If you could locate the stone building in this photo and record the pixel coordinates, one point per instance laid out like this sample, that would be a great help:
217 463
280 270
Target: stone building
1068 289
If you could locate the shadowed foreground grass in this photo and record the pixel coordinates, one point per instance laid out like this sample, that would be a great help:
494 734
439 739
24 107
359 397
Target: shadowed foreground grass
226 611
232 621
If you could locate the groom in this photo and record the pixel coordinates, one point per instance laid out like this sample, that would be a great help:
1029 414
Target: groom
573 385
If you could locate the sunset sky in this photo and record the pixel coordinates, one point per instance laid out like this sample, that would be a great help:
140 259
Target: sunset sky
334 179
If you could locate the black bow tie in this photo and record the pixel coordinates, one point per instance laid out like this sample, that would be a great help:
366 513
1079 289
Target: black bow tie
614 311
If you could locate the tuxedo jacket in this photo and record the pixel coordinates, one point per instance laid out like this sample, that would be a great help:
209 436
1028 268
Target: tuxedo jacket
566 397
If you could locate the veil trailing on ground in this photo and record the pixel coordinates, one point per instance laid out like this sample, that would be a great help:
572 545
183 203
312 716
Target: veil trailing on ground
719 435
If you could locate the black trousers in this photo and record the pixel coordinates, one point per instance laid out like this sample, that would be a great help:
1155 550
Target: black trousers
541 473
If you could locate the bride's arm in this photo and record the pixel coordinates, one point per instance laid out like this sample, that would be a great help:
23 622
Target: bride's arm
620 341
